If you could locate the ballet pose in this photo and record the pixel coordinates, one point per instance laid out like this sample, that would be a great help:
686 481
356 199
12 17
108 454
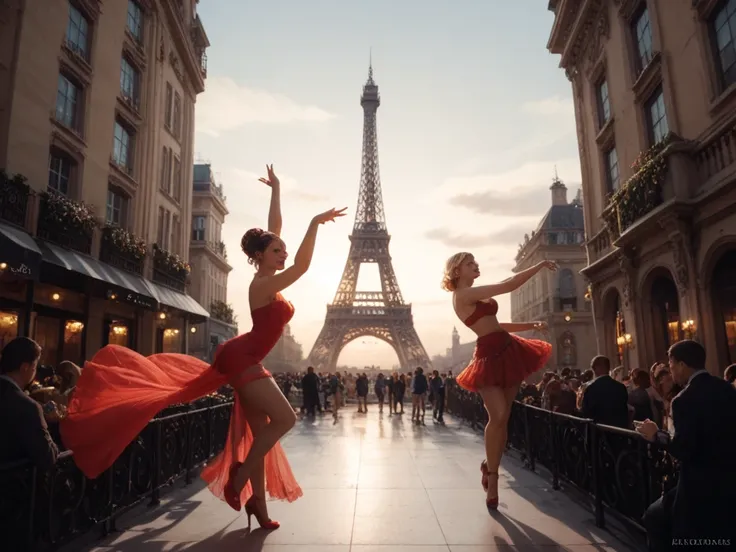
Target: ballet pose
120 390
501 360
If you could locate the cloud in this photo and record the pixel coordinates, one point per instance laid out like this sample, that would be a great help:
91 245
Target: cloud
549 106
508 235
519 202
227 105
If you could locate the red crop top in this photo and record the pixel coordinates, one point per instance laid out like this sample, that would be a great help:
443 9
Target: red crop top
482 308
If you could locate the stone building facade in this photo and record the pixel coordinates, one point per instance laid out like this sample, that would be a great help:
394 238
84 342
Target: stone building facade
210 267
654 87
96 147
558 298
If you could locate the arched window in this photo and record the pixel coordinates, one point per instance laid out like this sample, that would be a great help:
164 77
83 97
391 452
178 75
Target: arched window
566 350
567 284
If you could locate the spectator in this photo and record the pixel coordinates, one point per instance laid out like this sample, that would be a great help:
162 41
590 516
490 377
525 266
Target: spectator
730 375
605 400
704 416
639 397
24 433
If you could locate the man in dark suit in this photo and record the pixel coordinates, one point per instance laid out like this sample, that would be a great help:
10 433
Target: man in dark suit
605 400
701 506
24 434
310 391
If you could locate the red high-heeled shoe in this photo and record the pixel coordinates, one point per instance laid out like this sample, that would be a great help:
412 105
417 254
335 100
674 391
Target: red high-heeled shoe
252 509
231 496
491 503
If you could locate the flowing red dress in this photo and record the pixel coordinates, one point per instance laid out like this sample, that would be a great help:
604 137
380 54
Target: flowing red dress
501 359
120 391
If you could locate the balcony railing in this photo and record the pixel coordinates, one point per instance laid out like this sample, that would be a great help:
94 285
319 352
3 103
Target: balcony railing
214 189
43 511
169 270
640 194
617 468
65 222
14 194
716 154
114 253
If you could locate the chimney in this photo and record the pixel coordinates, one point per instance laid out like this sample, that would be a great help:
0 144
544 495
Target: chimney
559 192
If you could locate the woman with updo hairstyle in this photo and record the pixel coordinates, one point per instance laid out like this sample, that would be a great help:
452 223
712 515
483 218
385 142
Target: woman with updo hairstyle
501 361
119 390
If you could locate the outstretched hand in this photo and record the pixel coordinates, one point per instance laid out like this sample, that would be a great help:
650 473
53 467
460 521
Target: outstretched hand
330 215
271 180
550 265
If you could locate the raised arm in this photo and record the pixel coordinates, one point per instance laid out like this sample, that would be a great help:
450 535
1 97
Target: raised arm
274 211
523 326
270 285
474 294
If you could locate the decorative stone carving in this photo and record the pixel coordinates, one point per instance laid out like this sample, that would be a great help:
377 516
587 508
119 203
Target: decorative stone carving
680 238
601 32
161 45
626 264
176 65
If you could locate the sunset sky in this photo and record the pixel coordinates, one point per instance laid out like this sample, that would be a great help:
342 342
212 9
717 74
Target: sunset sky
475 115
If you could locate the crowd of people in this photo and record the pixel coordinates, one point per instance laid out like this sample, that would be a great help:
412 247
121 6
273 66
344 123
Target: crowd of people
611 396
327 392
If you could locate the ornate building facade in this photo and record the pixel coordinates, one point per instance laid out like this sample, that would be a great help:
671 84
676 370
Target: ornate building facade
558 298
210 268
96 146
654 87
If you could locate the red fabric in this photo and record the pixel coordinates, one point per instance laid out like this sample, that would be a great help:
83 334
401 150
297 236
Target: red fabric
502 359
120 391
482 308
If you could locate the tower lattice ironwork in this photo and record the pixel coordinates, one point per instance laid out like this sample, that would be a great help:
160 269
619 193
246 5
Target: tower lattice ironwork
382 314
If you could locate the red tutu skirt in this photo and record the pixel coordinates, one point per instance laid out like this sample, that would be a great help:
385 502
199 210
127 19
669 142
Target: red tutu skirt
504 360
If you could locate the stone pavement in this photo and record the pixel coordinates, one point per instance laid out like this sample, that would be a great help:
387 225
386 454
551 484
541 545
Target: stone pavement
375 484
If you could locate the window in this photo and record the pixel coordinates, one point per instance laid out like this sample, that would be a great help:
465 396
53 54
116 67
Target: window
67 102
177 179
552 238
122 152
135 20
60 171
176 235
129 79
643 36
198 225
177 115
163 234
166 170
723 28
604 104
117 208
657 118
77 33
167 107
612 171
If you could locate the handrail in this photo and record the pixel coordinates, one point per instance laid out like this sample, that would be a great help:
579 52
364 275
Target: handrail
44 510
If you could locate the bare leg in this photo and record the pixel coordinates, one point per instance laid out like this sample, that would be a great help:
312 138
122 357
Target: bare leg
423 403
497 401
265 397
257 422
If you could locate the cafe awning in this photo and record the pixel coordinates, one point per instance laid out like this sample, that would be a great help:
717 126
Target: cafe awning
171 298
20 257
121 285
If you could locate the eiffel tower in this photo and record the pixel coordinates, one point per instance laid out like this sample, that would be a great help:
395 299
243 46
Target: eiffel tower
381 314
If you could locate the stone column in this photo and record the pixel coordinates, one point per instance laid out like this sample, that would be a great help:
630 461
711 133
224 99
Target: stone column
681 242
632 315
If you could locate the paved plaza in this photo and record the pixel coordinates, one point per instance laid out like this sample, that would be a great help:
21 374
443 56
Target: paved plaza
376 484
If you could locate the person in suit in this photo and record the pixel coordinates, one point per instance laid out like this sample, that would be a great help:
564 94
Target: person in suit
605 400
23 430
704 418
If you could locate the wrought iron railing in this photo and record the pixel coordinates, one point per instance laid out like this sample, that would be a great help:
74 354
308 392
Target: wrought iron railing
14 194
46 510
616 468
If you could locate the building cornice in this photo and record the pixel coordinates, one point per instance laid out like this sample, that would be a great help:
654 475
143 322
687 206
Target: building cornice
184 47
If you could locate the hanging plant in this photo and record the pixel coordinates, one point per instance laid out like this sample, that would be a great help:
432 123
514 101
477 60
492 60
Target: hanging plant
171 263
125 242
222 311
641 193
65 215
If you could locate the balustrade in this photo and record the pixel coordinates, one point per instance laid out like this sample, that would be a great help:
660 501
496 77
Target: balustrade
621 471
46 510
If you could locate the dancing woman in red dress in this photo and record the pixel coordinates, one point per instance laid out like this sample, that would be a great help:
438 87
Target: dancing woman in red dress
120 391
501 360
